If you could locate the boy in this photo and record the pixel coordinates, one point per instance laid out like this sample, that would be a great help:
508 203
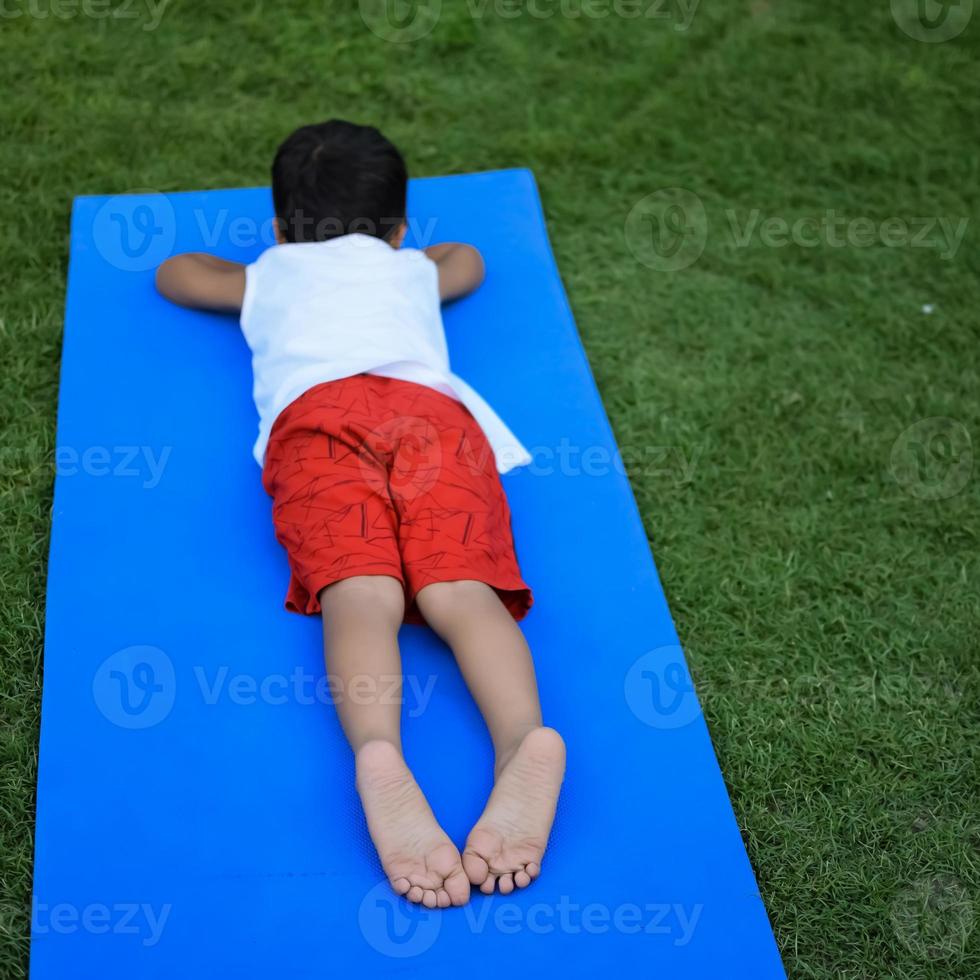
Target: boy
383 470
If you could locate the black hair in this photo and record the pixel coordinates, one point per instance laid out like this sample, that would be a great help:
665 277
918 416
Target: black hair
337 178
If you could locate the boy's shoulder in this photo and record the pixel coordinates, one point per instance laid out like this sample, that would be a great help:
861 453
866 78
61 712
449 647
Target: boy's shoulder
343 261
355 245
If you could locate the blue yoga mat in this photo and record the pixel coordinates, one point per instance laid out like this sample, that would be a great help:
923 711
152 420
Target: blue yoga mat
196 814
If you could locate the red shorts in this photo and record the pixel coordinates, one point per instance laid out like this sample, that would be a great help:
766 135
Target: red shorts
375 476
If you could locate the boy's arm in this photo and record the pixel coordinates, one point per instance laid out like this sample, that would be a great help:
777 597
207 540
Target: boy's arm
460 268
202 282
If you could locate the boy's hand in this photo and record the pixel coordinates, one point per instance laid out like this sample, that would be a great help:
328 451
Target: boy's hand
202 282
460 268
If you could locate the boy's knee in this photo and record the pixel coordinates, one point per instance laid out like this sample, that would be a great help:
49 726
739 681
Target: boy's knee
375 595
444 601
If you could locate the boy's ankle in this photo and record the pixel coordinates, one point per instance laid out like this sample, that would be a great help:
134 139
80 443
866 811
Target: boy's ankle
374 742
506 748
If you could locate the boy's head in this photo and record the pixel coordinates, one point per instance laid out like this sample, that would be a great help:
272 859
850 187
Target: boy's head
337 178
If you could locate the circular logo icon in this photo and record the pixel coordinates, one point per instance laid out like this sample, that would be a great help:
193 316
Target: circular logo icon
135 687
934 917
135 232
402 457
394 926
668 229
932 21
659 689
933 459
400 21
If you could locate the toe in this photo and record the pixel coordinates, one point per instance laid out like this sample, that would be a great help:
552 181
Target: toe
506 884
522 879
414 894
533 869
488 885
429 898
457 887
442 899
401 885
476 867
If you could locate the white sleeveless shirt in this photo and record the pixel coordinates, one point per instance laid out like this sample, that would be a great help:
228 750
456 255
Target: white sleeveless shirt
321 311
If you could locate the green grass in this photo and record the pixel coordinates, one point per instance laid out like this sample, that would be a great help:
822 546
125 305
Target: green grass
829 610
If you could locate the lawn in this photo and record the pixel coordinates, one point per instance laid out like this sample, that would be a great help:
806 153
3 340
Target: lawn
765 216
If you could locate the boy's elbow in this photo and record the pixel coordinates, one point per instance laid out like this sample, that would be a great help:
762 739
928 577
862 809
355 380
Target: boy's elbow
477 267
168 276
179 279
202 282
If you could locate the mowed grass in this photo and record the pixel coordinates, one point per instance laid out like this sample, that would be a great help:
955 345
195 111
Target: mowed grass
820 554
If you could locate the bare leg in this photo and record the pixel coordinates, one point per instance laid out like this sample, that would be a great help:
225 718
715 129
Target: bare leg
361 617
508 842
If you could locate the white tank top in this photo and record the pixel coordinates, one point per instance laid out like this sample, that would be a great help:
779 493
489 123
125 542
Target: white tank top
321 311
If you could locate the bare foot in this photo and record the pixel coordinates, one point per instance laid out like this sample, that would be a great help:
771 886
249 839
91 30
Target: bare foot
505 847
421 862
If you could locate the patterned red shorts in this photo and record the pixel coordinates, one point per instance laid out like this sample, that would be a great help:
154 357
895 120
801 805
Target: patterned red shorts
376 476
